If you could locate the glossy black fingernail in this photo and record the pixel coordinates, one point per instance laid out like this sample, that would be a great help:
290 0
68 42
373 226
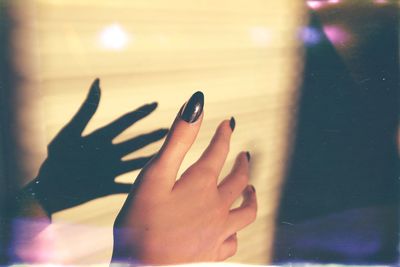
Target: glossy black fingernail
232 123
193 108
248 155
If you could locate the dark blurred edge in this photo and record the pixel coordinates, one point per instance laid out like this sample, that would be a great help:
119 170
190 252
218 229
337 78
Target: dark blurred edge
340 201
8 142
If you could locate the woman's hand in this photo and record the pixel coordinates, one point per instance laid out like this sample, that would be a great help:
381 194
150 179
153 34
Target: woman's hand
167 221
82 168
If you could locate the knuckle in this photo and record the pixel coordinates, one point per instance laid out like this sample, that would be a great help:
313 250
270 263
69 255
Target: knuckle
151 170
191 171
156 166
207 171
221 211
204 176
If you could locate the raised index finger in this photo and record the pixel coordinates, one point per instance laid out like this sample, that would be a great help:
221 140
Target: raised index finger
182 135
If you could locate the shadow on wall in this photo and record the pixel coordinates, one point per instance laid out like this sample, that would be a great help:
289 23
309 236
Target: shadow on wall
339 203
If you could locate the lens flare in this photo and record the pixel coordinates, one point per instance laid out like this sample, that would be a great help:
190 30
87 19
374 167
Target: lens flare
315 4
336 34
114 37
310 35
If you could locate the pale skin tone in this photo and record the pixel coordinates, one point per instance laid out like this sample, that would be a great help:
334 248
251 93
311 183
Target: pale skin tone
166 220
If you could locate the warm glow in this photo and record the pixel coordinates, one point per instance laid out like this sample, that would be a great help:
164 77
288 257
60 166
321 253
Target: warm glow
244 56
261 36
114 37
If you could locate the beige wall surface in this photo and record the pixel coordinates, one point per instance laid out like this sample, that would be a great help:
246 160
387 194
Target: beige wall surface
244 56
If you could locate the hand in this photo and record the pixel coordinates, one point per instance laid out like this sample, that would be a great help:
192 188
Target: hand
169 221
82 168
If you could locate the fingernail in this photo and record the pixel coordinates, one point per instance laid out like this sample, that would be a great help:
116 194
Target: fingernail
248 156
252 188
193 108
232 123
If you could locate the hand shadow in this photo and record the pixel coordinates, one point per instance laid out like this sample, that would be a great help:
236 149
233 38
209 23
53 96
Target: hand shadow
82 168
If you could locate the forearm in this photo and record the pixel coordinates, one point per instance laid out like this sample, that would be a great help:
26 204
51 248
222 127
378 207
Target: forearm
26 205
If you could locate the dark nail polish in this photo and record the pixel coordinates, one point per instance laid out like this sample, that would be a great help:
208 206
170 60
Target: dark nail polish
232 123
248 155
193 108
252 188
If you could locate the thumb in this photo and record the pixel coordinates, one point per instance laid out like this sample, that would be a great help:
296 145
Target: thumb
178 142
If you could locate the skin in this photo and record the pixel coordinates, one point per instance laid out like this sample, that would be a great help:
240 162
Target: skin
79 168
166 220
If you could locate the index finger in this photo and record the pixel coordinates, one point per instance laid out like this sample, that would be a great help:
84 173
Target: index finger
182 135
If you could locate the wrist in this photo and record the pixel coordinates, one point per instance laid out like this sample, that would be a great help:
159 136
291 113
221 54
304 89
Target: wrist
31 198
